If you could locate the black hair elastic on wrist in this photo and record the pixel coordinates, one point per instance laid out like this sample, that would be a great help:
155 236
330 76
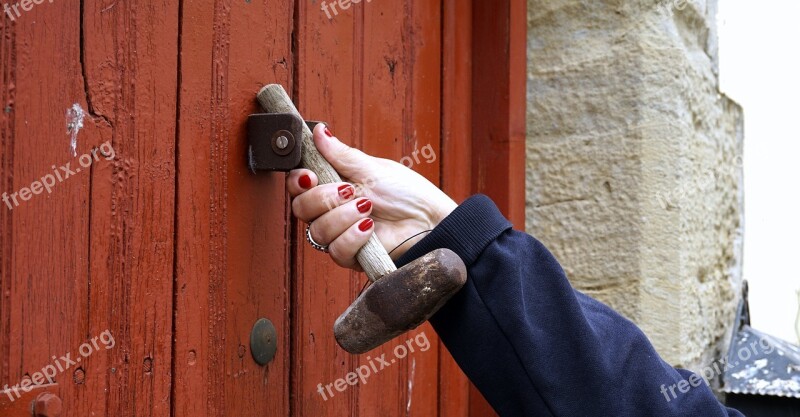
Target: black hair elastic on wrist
404 242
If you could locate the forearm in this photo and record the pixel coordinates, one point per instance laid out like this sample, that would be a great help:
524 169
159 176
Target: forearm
535 346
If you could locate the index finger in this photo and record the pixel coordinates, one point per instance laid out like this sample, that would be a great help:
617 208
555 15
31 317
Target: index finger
300 180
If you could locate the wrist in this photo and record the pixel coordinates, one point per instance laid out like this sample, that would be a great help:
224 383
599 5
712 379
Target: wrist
441 210
466 231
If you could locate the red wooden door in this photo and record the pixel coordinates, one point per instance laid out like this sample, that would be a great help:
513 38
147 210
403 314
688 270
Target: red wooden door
136 276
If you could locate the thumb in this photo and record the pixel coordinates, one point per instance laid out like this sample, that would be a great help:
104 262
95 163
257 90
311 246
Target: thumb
349 162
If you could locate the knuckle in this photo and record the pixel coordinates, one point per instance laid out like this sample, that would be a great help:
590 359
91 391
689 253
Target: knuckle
319 234
330 202
293 191
343 264
336 254
347 152
298 210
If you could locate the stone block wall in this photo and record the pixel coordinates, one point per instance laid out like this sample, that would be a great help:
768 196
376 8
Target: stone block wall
634 164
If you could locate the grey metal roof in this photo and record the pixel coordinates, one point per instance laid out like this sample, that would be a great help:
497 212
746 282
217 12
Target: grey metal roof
762 364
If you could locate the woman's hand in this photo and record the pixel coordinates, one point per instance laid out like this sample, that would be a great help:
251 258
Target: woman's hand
383 197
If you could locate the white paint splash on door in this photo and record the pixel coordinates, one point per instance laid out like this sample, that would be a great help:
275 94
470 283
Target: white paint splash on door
75 115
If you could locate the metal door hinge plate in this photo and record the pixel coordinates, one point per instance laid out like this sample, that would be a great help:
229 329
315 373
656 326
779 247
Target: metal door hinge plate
275 141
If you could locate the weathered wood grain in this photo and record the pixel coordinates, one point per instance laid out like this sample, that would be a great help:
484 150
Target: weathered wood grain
401 96
498 124
324 89
8 56
232 264
456 153
176 248
128 53
499 31
88 256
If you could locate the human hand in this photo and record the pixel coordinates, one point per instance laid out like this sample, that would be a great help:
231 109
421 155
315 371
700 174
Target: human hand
383 197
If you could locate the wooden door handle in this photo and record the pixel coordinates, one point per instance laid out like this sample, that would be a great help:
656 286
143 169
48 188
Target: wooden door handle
372 257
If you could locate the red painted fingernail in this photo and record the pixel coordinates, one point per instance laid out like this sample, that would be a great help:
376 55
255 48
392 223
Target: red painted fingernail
328 132
364 205
346 191
365 225
305 181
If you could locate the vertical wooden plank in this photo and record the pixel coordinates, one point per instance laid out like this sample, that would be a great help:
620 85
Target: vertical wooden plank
498 124
499 38
457 99
422 131
232 263
454 387
197 351
86 389
7 98
129 61
387 101
325 78
45 272
259 264
401 96
384 116
61 292
197 345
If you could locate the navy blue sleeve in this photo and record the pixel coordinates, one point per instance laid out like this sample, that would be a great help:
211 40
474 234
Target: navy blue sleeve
533 345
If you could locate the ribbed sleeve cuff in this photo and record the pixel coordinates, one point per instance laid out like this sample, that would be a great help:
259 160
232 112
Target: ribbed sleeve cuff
466 231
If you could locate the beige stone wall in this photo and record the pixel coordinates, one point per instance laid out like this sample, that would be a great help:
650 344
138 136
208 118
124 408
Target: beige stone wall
634 164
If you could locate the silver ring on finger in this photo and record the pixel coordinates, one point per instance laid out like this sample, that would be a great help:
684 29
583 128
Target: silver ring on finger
315 245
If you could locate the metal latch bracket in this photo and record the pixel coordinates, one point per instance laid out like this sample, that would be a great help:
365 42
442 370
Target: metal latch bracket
275 141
